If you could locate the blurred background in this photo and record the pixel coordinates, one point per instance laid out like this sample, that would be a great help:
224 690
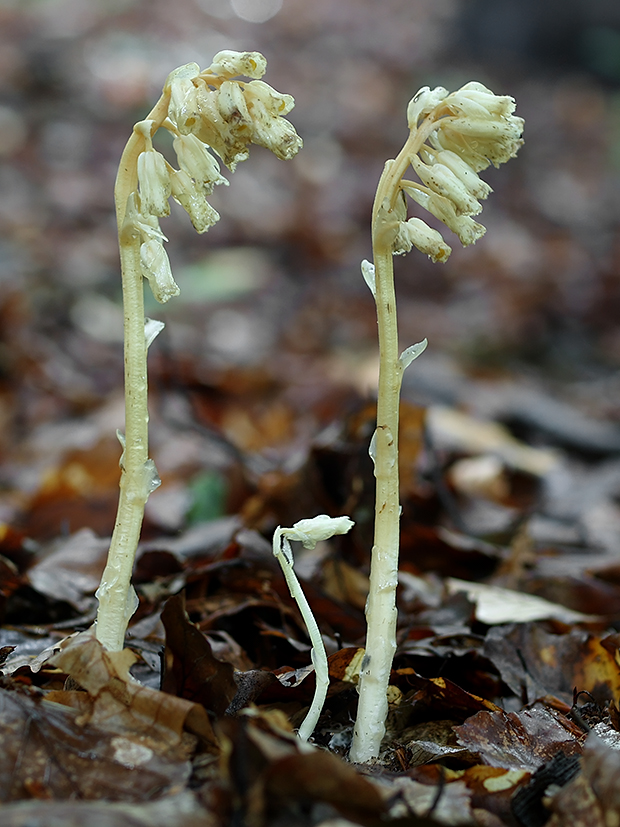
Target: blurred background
273 339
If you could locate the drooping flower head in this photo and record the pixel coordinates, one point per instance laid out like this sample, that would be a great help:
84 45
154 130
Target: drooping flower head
210 113
229 114
454 137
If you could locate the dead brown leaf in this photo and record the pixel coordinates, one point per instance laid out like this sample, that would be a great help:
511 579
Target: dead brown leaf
537 659
190 669
52 752
117 703
180 810
320 776
519 740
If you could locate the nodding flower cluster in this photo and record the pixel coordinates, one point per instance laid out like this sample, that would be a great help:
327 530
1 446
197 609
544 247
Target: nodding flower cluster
461 134
208 112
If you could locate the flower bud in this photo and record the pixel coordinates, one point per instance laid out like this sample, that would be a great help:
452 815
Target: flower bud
183 107
312 531
188 70
423 103
231 103
263 99
154 181
490 129
465 107
279 136
464 227
494 104
155 267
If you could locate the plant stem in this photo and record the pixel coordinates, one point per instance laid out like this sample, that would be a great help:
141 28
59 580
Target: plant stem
381 612
318 653
117 601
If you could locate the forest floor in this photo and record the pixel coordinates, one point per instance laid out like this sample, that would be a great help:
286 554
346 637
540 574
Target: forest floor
506 680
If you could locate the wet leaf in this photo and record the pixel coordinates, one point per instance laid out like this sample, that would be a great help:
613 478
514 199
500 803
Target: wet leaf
495 605
535 661
439 695
519 740
190 669
71 569
448 804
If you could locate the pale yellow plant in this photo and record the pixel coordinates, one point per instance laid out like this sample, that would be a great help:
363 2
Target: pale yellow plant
452 137
209 113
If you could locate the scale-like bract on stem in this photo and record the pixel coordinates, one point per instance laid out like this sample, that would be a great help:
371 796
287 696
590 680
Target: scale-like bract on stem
452 138
211 112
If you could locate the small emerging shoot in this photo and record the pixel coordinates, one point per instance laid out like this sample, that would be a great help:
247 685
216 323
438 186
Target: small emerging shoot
309 533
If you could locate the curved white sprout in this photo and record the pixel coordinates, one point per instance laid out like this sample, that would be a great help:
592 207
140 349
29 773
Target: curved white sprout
309 533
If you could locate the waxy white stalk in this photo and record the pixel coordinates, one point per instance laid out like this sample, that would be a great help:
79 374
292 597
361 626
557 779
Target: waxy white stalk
449 188
117 599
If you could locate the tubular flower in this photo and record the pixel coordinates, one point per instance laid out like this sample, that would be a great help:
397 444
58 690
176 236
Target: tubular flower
415 233
423 103
440 179
232 105
463 133
183 106
463 226
196 160
229 64
155 267
186 193
228 114
154 182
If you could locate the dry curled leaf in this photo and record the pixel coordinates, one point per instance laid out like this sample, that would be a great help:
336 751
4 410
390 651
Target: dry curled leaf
117 703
